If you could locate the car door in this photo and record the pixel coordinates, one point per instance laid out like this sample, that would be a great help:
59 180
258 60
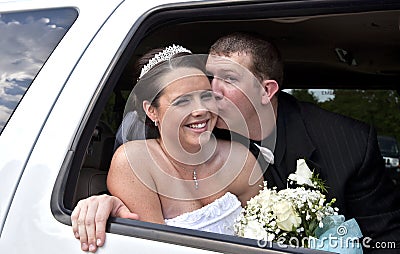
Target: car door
120 38
37 30
85 56
79 82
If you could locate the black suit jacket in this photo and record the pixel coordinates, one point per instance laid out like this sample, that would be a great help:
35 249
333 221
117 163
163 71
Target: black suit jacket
346 155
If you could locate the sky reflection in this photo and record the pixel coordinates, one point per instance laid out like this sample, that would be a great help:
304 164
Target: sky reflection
27 40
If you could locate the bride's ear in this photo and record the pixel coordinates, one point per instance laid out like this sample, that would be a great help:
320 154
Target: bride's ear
150 111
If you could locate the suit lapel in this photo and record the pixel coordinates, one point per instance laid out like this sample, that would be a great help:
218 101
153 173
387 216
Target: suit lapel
293 141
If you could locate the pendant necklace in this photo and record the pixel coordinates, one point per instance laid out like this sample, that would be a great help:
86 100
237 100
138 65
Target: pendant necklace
196 182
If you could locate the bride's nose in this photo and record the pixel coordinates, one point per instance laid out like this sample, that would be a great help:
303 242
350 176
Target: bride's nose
199 107
199 112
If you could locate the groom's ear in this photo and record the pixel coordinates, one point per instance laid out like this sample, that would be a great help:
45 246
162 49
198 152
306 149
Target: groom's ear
150 110
270 88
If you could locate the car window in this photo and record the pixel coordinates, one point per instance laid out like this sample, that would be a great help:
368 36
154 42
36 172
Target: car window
27 40
379 108
389 146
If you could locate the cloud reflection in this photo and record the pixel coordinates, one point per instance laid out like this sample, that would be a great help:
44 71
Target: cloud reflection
27 39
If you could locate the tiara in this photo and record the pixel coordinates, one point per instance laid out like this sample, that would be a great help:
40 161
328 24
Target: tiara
164 55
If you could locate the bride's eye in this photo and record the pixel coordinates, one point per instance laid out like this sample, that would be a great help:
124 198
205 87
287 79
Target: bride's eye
180 101
207 95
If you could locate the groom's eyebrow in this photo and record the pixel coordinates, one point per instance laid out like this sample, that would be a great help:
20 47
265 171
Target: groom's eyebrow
222 72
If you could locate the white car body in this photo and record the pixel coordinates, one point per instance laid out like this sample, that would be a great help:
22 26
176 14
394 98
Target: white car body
36 139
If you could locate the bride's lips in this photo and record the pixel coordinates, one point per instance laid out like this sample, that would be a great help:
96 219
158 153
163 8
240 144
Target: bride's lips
199 126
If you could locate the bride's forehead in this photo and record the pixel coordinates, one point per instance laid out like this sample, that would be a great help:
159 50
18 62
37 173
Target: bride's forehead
182 76
188 85
181 73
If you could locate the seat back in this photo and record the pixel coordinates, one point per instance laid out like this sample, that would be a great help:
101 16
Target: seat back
93 174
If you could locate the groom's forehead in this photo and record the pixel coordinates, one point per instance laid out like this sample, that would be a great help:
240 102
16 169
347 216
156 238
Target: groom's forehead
224 64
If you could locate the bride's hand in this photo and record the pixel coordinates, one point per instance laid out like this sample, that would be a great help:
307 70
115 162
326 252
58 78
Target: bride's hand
90 216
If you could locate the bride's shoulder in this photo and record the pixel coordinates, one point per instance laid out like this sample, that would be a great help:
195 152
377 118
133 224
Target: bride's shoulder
233 152
137 147
232 146
139 144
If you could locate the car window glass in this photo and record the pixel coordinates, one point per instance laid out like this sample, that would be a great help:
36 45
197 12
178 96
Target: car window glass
27 40
389 146
379 108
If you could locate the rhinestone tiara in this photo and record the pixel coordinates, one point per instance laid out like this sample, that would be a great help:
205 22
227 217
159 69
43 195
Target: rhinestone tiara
164 55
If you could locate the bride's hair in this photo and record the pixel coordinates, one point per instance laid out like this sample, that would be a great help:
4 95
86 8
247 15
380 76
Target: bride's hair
150 86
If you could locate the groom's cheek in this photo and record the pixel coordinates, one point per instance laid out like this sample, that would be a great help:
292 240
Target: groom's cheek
221 124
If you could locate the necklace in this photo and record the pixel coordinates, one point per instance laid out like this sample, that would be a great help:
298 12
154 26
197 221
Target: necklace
196 182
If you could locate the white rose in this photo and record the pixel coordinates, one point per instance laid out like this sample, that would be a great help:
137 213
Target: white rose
265 199
286 216
255 230
303 174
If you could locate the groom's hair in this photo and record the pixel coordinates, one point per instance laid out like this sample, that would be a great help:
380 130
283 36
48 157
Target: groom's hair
267 61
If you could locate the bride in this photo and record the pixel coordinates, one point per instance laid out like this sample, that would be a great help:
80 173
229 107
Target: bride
180 175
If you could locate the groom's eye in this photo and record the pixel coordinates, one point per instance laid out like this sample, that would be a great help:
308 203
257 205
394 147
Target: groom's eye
230 79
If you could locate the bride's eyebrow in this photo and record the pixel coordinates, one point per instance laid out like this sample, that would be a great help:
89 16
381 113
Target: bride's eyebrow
189 96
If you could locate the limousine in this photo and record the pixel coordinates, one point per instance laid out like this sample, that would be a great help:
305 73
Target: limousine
65 76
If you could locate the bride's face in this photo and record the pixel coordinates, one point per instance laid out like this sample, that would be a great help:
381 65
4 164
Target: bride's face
187 111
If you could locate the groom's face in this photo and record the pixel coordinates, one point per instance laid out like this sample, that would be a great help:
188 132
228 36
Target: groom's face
235 87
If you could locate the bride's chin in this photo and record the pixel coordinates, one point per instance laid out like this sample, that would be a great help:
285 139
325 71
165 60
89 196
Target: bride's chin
204 137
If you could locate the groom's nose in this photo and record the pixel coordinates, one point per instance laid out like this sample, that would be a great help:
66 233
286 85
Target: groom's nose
217 88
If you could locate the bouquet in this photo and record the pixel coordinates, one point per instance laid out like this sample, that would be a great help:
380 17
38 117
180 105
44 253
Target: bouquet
299 216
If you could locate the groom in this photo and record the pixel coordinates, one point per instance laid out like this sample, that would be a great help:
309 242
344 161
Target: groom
343 151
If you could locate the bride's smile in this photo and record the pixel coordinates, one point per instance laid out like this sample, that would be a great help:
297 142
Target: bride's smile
199 126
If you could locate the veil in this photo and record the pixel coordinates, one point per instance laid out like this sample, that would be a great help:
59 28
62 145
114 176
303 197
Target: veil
131 128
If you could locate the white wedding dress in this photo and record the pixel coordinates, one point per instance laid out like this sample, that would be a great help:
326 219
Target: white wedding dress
218 216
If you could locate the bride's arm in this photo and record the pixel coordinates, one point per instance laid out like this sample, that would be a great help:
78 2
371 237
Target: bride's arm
124 183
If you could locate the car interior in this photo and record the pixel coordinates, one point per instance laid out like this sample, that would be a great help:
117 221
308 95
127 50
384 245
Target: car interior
325 47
